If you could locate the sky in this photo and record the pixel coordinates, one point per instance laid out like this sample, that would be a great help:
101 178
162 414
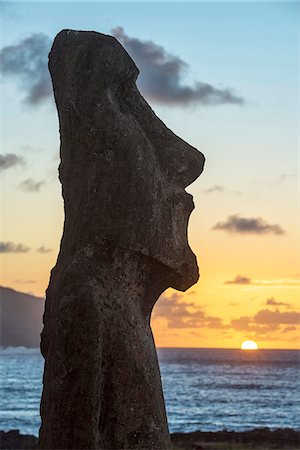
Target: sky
225 78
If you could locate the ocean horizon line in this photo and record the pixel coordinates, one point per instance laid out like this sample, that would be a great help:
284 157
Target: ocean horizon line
182 348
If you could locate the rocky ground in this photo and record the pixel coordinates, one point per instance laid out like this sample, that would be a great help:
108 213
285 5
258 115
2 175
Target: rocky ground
260 439
13 440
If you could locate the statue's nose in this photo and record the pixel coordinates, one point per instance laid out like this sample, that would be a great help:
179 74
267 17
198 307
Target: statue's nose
189 164
180 162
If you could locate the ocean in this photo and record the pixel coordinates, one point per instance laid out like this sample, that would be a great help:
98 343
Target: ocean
205 389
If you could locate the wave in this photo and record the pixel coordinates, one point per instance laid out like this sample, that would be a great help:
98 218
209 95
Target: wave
19 350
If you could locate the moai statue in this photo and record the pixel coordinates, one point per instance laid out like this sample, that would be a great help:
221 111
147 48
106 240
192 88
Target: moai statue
123 175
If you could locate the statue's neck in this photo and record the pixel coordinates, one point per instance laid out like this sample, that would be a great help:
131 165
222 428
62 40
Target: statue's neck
134 279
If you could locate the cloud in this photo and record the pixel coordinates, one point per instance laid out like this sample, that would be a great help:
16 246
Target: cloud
27 62
43 249
10 160
272 302
289 329
180 314
30 185
252 225
242 323
24 281
220 189
265 316
265 322
162 74
239 279
10 247
280 282
161 78
215 189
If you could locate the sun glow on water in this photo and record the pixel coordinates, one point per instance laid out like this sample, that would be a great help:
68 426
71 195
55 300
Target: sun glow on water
249 345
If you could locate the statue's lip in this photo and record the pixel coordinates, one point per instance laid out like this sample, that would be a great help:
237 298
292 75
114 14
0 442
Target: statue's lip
189 199
186 199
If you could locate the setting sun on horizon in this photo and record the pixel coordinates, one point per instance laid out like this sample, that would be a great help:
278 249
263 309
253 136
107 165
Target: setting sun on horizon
249 345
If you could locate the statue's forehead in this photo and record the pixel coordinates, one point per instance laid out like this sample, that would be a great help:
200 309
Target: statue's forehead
98 47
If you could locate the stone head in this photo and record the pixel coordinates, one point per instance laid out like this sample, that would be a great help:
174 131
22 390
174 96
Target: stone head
121 167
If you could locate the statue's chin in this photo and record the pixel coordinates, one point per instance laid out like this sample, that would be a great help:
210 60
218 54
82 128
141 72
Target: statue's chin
186 275
184 282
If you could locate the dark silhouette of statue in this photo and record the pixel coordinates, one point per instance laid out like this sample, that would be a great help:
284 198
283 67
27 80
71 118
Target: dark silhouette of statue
123 175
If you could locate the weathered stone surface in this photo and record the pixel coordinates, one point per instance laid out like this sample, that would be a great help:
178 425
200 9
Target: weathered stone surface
123 174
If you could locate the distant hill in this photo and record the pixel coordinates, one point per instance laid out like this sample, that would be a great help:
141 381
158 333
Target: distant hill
21 317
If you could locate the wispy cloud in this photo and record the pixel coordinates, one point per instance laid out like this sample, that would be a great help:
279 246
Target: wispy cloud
253 225
284 282
43 249
27 62
278 282
214 189
24 281
162 76
272 302
30 185
217 189
10 247
10 160
239 279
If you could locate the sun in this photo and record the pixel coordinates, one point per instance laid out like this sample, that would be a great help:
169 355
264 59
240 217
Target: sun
249 345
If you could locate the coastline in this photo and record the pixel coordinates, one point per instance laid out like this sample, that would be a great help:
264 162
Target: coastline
260 438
